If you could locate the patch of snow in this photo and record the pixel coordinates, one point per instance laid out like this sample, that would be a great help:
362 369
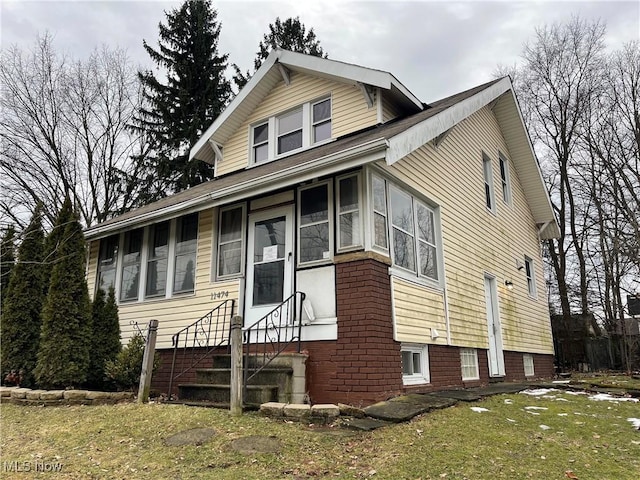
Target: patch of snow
536 408
561 381
563 414
600 397
545 427
549 397
508 401
511 420
575 392
536 392
635 422
532 413
560 399
479 409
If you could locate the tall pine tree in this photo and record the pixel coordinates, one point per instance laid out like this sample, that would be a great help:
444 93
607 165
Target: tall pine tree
195 92
63 355
7 257
22 304
288 35
105 338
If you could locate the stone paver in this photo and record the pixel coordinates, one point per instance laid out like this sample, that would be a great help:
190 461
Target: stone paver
272 409
462 395
75 394
365 424
52 395
194 436
327 411
499 388
404 408
296 410
34 394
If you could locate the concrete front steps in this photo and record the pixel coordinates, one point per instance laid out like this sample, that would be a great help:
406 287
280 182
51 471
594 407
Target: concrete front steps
283 380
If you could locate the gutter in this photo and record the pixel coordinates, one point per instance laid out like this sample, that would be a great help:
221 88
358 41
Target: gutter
310 168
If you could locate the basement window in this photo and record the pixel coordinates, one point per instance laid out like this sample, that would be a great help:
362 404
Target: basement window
469 364
415 364
527 359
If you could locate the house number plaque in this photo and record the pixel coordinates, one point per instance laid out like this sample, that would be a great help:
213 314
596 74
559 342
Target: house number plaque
219 295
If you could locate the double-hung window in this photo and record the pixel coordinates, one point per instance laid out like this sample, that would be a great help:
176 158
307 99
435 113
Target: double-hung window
230 241
427 248
469 364
107 262
348 211
531 279
488 183
158 260
131 257
289 128
404 254
260 139
379 213
321 120
185 253
505 179
315 236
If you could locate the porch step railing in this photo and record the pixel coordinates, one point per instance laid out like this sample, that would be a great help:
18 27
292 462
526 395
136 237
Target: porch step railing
272 335
209 332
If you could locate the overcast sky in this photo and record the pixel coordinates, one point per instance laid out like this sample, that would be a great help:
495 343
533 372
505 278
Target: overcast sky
434 48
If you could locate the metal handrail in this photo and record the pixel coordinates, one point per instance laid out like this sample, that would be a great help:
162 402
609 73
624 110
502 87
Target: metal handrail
272 334
214 327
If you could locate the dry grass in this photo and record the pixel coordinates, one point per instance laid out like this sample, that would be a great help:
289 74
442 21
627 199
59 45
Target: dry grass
592 439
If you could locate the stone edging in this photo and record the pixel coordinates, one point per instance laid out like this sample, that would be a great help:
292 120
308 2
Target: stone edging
27 396
320 413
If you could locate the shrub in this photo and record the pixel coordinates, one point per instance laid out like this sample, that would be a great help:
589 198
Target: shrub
125 370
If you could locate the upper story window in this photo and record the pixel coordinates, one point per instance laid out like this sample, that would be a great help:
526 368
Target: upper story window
230 241
321 121
260 143
302 127
488 183
107 262
505 179
289 128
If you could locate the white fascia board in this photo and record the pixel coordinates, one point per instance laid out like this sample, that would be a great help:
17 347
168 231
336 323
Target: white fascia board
414 137
365 153
237 100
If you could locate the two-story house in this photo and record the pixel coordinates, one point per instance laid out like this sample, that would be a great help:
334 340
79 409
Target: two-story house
412 229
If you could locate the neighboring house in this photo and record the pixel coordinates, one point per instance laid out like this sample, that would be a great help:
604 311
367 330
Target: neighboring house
413 229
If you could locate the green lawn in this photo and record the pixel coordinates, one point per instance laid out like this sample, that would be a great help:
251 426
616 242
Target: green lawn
592 439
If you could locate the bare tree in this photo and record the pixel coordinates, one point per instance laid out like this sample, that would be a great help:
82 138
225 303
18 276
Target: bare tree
65 131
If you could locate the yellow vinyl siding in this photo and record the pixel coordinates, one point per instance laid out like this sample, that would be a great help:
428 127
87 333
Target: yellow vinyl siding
349 113
477 241
92 267
417 309
181 310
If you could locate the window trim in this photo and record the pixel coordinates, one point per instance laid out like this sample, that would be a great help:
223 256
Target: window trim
505 179
471 353
330 220
420 378
243 235
338 213
487 174
530 275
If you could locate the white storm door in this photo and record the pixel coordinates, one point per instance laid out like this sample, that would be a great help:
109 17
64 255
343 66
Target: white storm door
496 354
269 262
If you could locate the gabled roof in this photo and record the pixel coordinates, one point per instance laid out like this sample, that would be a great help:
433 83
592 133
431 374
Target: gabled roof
269 74
391 141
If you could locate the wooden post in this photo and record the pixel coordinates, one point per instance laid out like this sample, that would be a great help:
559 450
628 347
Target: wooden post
147 362
235 398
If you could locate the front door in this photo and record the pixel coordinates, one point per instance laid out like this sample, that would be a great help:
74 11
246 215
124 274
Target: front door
269 262
496 354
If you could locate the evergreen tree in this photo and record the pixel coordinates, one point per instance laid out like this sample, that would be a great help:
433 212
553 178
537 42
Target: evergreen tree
55 241
195 93
288 35
7 257
105 339
23 303
63 355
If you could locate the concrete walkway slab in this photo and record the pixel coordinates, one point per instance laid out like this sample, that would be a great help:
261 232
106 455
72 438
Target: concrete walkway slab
462 395
404 408
365 424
